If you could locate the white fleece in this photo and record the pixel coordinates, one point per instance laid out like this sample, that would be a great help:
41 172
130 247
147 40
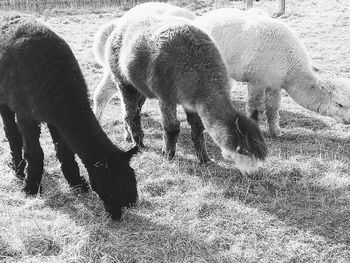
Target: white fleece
104 31
268 55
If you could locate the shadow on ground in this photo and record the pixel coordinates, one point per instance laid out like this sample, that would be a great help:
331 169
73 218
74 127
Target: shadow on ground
285 191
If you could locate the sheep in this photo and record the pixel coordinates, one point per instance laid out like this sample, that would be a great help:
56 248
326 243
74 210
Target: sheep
268 55
103 94
167 58
41 81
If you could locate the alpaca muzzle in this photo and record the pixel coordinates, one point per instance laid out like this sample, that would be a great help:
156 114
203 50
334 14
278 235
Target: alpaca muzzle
244 163
342 116
114 212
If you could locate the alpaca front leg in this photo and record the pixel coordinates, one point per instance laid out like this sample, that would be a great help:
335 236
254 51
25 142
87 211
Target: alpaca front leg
273 102
255 102
281 9
69 166
171 129
197 136
132 106
127 133
105 90
33 154
14 139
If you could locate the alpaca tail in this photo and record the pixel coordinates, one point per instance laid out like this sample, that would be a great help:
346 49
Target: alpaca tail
103 93
100 39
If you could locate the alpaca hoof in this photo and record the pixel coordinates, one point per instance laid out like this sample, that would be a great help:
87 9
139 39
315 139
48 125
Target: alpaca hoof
140 145
277 14
31 190
138 142
115 213
81 187
20 175
169 155
204 160
275 133
18 169
127 136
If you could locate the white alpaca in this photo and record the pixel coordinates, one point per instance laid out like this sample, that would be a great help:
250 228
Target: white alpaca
268 55
106 89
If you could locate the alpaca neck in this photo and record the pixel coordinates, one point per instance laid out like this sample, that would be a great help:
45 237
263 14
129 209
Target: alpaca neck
85 136
307 93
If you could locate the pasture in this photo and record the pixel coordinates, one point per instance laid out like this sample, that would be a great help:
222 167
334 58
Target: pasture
296 209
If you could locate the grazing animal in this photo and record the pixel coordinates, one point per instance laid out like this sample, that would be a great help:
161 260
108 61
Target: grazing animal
167 58
41 81
103 94
268 55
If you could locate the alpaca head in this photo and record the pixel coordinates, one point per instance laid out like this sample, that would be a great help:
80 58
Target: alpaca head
250 145
114 181
244 163
338 92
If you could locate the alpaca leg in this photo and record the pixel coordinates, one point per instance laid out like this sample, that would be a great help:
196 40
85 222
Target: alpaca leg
197 136
255 102
69 166
171 129
15 140
127 135
281 8
105 90
273 102
33 154
132 102
249 3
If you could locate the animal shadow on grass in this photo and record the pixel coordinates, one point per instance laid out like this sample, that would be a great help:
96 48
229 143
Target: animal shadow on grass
289 119
283 192
282 189
135 238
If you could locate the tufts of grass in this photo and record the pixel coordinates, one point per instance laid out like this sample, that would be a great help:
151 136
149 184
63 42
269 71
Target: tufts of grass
295 209
57 5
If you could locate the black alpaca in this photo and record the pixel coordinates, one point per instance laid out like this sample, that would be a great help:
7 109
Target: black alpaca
40 81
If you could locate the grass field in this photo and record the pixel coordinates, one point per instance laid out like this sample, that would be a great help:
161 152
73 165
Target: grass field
297 209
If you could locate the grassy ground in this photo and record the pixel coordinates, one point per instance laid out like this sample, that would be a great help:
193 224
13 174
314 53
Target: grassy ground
40 5
296 210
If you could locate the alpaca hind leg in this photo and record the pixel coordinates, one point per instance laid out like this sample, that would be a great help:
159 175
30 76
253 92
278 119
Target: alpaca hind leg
171 129
255 102
132 105
15 140
197 136
273 102
105 90
33 154
69 166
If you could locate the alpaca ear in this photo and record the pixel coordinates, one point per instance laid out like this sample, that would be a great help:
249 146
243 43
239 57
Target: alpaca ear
129 154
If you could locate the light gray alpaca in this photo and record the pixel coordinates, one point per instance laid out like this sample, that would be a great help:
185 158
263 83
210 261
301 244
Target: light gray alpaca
103 94
166 58
268 55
